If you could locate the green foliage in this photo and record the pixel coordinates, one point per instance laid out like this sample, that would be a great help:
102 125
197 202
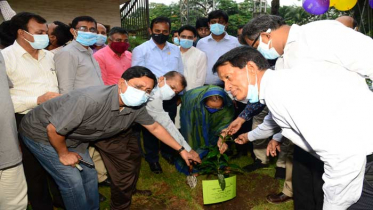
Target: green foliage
134 42
218 164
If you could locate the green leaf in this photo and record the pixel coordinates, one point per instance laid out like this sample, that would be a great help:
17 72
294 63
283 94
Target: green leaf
226 158
234 166
221 181
212 154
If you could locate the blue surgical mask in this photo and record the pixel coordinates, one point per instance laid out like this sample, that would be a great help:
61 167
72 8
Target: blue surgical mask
212 110
133 96
40 41
166 91
101 40
176 41
186 43
86 38
253 91
217 29
268 53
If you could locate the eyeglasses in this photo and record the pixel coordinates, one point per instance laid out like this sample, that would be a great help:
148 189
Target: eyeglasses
85 29
187 37
255 40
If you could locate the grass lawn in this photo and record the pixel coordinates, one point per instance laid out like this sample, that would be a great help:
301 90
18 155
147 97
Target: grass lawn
171 192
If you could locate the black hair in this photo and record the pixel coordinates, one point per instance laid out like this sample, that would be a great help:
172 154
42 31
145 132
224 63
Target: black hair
62 33
173 32
218 14
6 39
117 30
202 22
239 56
21 20
172 74
260 24
240 26
137 72
160 20
82 18
188 28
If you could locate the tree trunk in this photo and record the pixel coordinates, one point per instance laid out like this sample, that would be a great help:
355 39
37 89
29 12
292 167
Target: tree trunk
275 6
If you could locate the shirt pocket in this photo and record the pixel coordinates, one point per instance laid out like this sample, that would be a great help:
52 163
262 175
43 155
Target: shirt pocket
172 63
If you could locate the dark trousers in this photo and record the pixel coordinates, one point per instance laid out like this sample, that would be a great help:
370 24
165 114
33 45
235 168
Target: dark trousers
366 200
122 158
151 143
246 127
307 181
37 179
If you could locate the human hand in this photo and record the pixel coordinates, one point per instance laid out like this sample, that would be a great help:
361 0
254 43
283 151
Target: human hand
194 154
70 158
222 146
235 125
47 96
242 139
189 157
273 145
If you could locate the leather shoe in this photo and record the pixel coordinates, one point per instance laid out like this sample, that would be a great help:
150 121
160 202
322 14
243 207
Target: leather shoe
143 192
280 173
101 197
155 167
256 165
278 198
106 183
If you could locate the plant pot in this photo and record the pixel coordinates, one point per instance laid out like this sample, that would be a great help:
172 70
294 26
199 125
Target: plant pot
212 192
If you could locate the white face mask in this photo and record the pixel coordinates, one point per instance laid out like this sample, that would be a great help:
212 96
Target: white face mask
166 91
133 96
252 92
263 48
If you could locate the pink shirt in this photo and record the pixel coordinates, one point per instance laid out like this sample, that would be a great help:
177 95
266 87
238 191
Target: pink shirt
112 66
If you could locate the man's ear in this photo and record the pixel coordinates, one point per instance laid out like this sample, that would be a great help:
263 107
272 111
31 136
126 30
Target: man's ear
72 31
252 67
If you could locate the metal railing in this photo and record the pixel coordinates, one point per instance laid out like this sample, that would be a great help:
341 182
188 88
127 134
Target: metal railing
134 16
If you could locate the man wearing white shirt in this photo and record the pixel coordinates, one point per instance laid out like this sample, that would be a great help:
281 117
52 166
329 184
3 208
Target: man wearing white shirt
31 69
217 43
299 97
319 41
194 60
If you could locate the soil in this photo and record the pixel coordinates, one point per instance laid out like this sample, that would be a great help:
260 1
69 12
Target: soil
252 189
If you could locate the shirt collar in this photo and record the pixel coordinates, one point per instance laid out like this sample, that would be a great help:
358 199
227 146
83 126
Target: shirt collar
80 47
20 51
264 84
226 36
154 45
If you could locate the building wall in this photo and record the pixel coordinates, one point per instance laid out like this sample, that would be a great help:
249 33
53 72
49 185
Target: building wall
103 11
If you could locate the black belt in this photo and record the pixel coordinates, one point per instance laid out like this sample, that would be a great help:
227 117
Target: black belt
369 158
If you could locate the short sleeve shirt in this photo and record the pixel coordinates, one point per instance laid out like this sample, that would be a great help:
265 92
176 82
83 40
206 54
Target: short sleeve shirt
83 116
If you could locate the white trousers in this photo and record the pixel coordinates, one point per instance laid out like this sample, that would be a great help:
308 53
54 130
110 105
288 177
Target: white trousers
13 188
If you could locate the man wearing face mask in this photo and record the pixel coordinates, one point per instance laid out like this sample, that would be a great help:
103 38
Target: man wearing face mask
76 68
31 69
194 60
319 41
114 59
318 128
175 37
216 44
160 57
101 38
57 132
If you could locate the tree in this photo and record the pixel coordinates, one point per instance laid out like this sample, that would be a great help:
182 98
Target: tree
275 6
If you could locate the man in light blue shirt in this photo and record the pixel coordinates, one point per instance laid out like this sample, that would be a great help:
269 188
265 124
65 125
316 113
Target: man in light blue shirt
157 54
160 57
216 44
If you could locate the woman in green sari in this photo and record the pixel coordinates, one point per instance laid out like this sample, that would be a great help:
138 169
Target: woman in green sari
205 111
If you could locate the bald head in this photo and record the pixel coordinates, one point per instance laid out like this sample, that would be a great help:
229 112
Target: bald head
347 21
101 29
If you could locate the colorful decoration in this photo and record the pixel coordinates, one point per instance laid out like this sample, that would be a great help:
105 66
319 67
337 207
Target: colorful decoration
344 5
333 2
316 7
371 3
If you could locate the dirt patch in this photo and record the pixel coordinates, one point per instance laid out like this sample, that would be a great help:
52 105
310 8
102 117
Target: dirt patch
252 189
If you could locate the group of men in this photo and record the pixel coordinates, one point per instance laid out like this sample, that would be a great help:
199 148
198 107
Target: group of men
70 91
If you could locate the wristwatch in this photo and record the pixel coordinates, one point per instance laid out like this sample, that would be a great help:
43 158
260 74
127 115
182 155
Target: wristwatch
181 149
